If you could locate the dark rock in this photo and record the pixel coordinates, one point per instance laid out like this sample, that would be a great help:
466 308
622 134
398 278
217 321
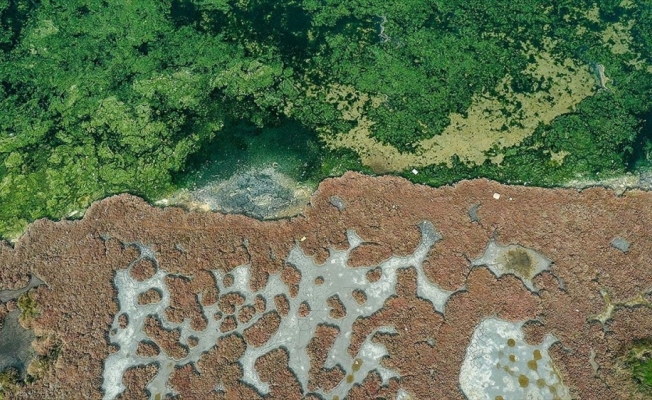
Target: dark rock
621 244
337 202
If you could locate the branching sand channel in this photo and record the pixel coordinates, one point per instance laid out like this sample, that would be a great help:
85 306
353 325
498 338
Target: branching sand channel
306 308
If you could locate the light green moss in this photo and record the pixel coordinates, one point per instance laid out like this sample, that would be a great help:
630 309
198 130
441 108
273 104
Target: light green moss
28 308
9 379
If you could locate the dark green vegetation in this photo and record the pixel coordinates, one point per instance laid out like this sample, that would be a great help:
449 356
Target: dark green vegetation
289 147
100 97
601 136
639 361
643 373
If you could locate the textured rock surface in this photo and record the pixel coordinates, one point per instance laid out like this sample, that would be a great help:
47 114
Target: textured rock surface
593 298
259 193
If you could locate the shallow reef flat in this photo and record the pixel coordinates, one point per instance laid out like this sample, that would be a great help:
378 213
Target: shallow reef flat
380 288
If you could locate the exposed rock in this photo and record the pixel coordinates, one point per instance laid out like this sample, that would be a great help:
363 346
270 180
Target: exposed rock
619 184
473 212
620 244
337 202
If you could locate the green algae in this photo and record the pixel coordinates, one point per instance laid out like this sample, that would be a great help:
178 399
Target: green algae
96 103
9 379
642 372
639 363
28 307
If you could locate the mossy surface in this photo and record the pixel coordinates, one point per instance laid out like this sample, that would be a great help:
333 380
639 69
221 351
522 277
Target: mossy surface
97 103
639 361
9 379
28 307
642 371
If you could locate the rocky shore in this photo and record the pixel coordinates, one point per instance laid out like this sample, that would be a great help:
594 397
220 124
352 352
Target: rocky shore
564 275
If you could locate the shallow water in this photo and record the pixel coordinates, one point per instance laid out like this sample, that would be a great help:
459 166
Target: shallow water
15 344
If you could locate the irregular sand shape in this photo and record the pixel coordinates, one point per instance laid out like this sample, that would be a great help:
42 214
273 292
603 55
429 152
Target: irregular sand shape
499 364
7 295
610 306
296 327
513 259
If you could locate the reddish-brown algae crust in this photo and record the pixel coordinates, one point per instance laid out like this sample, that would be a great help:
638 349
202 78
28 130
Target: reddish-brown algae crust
78 259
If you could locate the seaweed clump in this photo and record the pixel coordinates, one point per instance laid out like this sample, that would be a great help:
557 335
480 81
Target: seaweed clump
639 363
28 308
9 379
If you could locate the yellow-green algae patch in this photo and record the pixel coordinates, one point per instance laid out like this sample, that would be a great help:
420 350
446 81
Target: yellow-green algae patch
485 126
618 36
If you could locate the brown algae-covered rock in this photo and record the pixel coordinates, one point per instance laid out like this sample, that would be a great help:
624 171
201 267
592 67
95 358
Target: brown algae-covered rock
389 296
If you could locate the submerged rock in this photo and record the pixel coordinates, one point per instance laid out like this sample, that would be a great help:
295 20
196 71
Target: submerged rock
258 193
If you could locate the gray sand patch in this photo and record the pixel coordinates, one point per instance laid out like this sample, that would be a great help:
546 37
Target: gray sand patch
7 295
296 328
514 259
258 193
337 202
499 364
15 344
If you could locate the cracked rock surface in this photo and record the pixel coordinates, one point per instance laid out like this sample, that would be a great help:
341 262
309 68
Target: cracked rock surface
579 289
